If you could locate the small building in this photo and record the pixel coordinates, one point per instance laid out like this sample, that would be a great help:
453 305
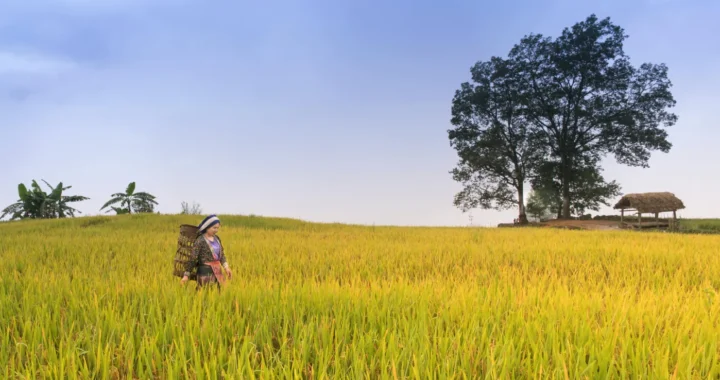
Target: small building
649 203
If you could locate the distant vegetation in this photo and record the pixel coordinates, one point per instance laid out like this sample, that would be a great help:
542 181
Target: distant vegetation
34 203
130 201
711 226
190 210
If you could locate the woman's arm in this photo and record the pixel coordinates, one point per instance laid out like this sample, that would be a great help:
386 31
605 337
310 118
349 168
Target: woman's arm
223 259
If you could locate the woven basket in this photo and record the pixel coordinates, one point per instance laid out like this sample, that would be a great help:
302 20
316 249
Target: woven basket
186 240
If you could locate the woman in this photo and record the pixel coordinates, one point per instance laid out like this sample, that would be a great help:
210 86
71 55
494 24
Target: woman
208 255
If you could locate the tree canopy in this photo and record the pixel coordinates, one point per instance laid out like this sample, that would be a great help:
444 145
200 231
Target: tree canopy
577 98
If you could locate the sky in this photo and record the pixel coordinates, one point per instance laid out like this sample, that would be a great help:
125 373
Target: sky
327 111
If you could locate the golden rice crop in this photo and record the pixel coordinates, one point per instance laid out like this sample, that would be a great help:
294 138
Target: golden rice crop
94 298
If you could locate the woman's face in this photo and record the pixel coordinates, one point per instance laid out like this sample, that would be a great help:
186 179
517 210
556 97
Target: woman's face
214 229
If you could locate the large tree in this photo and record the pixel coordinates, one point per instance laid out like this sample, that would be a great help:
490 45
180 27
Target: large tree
583 95
495 145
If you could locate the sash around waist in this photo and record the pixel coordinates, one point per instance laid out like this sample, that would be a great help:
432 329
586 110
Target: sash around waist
206 268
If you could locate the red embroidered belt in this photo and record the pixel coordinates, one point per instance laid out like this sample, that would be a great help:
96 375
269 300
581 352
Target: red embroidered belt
217 271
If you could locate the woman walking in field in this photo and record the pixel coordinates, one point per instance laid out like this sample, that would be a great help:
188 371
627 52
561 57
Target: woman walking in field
208 255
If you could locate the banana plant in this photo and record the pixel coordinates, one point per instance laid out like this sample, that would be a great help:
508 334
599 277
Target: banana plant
37 204
33 204
130 201
59 202
21 209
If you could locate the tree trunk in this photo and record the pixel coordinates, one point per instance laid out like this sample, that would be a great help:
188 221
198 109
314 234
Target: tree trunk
522 218
566 202
566 174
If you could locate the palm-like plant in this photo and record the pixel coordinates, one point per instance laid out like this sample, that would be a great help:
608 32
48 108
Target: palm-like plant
59 202
37 204
130 200
21 209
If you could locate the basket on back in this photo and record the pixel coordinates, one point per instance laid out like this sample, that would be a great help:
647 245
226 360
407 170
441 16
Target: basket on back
186 240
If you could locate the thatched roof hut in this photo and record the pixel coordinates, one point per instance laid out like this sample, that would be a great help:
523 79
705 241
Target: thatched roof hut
650 202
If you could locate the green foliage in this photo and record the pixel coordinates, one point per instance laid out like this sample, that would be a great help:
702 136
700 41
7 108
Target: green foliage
494 142
588 189
537 205
37 204
119 210
711 226
140 202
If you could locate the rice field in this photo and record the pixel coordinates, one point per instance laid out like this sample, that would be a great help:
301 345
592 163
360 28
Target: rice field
94 298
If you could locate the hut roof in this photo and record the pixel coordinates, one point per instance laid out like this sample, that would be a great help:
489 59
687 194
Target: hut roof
650 202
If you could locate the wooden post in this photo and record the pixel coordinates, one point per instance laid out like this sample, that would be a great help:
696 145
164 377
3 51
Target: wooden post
622 215
675 225
639 219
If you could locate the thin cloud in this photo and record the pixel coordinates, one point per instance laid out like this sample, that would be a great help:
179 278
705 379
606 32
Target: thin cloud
13 63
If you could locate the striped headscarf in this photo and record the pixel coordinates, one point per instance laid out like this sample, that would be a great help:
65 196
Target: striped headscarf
208 222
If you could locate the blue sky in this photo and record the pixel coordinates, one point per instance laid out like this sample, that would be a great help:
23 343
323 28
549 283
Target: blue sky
331 111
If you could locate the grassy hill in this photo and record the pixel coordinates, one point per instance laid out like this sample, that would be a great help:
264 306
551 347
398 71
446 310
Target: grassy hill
94 296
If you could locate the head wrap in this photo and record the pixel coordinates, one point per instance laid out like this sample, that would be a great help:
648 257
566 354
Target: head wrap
208 222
